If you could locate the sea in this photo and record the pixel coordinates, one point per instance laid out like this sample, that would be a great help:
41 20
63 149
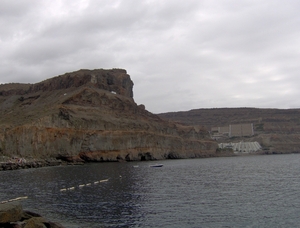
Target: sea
240 191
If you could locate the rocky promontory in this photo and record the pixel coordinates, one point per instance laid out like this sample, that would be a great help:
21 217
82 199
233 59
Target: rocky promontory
90 115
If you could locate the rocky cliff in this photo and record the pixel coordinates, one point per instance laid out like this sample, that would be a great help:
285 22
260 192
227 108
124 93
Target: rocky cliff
91 115
277 130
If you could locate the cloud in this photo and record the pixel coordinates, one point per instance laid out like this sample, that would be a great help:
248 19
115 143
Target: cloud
200 54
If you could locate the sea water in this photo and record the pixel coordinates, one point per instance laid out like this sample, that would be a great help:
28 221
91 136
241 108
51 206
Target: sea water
243 191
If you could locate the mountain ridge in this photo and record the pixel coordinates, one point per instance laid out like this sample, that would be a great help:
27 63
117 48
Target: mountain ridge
277 130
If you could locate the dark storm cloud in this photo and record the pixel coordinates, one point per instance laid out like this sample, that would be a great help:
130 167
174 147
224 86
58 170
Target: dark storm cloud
180 55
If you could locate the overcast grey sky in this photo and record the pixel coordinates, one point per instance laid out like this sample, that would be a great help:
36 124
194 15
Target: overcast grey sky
181 55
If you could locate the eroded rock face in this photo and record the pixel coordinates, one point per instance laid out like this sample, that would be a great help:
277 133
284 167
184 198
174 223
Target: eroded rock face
91 115
116 80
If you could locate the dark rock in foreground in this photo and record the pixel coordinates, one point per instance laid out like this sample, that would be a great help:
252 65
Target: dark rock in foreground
13 216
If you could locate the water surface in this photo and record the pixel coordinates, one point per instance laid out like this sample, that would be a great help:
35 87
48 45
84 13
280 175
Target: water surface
247 191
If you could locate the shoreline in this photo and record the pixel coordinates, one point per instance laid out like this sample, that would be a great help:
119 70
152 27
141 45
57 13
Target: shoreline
11 165
22 163
15 164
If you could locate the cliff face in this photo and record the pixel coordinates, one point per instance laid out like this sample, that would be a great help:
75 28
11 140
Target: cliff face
91 115
277 130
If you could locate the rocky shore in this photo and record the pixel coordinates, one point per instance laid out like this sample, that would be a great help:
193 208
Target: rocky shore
7 163
12 215
16 163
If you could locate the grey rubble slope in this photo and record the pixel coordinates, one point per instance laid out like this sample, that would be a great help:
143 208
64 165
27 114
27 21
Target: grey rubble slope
91 115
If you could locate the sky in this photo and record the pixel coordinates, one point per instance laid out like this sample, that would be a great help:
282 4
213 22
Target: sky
181 55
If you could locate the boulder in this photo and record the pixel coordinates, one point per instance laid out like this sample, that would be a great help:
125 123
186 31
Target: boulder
40 222
10 212
36 222
28 215
13 216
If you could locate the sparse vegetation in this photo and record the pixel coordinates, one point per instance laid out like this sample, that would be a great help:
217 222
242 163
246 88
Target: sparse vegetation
259 127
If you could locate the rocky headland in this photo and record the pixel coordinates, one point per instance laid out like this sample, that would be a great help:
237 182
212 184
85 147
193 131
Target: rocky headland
90 116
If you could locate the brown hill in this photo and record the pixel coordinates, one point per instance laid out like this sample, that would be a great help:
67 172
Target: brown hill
91 115
277 130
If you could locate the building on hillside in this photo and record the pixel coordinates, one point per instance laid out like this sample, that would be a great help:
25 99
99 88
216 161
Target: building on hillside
221 130
240 130
232 130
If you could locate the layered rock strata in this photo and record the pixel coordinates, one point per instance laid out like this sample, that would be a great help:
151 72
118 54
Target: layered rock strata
90 115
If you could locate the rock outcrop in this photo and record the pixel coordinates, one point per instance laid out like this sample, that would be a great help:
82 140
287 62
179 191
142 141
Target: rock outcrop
21 163
90 115
12 215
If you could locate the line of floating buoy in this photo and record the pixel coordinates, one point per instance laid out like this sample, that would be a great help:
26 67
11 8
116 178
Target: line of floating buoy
16 199
67 189
103 180
82 185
